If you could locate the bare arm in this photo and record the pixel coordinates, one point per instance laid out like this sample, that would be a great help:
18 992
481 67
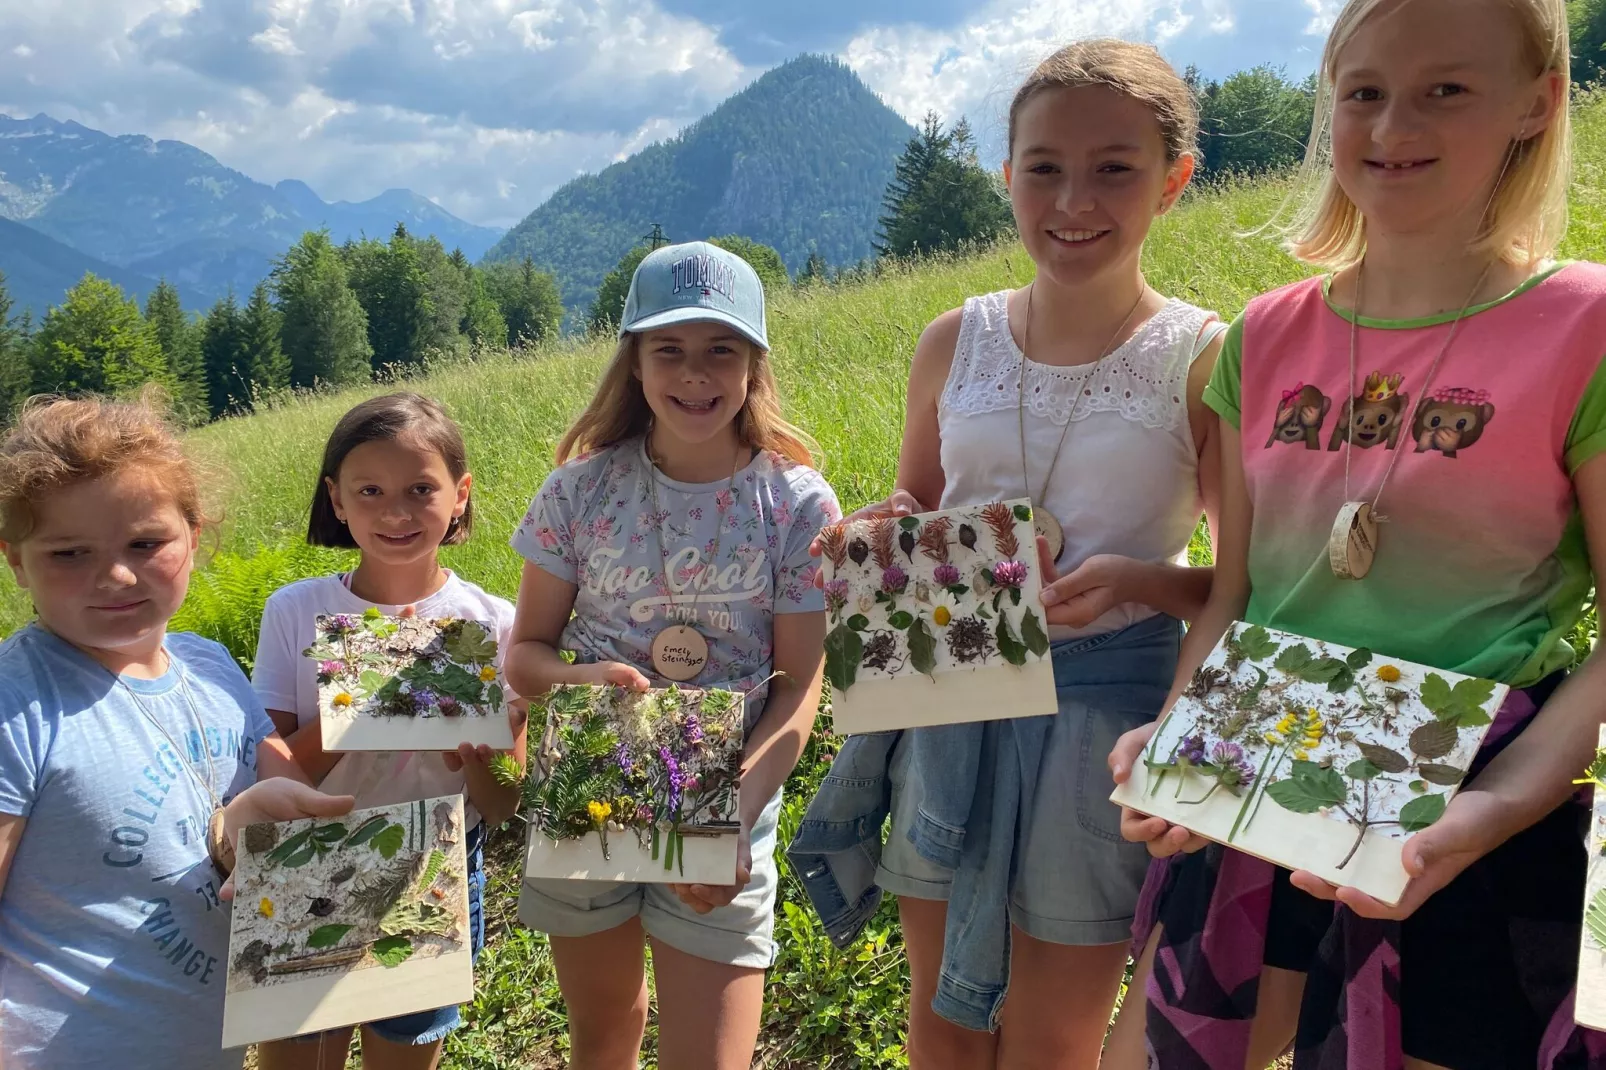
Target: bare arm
533 665
10 836
275 759
306 747
920 458
495 801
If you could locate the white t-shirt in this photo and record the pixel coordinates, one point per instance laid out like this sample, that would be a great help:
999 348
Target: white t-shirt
287 681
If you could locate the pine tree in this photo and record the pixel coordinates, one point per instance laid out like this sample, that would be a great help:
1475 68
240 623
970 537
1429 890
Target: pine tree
325 331
228 390
940 197
482 323
919 157
261 361
390 284
15 375
96 341
1587 19
814 272
528 300
180 340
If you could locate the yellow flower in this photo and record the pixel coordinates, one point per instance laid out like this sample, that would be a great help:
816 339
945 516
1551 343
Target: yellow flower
941 616
341 701
599 811
265 908
1286 724
488 673
1302 754
1274 739
1389 674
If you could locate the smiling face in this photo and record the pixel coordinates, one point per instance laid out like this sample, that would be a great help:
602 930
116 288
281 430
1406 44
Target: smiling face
398 499
1429 96
1087 177
107 563
695 378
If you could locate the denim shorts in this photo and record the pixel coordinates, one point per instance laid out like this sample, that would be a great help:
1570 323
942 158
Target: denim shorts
426 1027
740 933
1075 881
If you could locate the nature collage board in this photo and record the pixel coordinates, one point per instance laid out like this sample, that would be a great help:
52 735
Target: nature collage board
1312 755
1589 1007
935 619
408 684
636 786
348 920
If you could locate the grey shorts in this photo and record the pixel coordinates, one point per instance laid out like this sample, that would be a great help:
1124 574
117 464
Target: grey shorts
1075 881
738 934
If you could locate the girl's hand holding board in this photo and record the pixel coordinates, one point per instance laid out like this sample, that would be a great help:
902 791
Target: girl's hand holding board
277 799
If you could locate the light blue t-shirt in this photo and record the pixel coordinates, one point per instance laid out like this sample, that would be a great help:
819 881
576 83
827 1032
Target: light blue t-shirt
113 944
736 550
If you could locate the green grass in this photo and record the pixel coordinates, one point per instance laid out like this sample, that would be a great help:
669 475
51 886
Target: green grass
842 356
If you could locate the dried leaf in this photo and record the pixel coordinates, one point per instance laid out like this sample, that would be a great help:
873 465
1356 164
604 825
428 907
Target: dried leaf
260 837
922 648
1434 739
1362 770
1012 649
844 650
967 536
1359 659
1386 759
1419 813
1445 776
907 543
1309 788
1032 632
472 644
859 551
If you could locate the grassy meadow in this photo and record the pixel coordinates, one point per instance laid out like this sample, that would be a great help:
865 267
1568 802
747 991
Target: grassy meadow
842 356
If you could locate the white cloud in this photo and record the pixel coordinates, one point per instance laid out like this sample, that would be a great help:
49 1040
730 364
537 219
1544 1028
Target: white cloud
1323 14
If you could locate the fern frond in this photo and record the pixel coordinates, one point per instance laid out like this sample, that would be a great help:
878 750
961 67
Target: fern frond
883 532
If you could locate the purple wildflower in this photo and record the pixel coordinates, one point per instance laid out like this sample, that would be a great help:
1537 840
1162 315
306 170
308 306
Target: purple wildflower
644 814
449 706
344 622
1009 573
836 596
692 729
621 757
894 580
693 784
331 668
424 698
1193 750
946 575
1225 753
1233 770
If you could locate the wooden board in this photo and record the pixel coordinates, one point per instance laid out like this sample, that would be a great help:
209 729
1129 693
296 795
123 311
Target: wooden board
936 619
703 860
601 772
348 920
1396 739
408 684
1589 1009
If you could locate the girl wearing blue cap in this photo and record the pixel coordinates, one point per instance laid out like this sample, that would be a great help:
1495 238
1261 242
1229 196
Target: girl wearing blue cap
676 530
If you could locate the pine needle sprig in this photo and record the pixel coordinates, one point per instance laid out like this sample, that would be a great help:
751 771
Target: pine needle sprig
934 538
883 535
834 544
1001 520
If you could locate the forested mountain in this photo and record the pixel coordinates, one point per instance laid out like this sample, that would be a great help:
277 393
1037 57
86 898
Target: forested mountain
40 269
164 208
799 160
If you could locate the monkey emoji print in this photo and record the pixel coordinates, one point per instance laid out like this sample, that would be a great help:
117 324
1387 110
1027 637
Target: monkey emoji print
1375 417
1451 419
1300 416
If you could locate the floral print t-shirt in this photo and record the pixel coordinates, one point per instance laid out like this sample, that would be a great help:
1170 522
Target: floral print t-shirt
593 525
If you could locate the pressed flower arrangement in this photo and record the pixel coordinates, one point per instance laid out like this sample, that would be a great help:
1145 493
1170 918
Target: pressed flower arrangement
634 785
335 917
408 683
935 619
1354 753
1590 1005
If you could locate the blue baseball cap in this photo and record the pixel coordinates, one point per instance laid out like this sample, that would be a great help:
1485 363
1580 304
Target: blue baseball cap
695 283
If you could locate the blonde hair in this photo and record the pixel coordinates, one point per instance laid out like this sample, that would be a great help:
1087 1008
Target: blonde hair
1133 70
619 411
59 442
1527 215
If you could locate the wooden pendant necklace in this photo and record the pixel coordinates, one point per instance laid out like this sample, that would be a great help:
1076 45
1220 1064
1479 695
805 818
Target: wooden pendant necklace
1352 546
1046 523
680 651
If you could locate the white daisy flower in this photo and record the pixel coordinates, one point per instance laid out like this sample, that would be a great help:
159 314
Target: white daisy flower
944 608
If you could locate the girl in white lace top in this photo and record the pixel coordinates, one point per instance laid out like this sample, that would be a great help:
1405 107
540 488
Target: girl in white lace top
1114 443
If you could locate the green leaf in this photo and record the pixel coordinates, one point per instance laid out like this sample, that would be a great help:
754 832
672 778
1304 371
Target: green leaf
366 831
388 842
1023 514
901 620
328 834
1386 759
280 854
909 523
1362 769
302 855
859 622
1256 644
1359 659
1012 649
432 869
1436 695
1595 918
472 643
1419 813
1251 698
1342 682
392 951
1445 776
1014 596
958 590
1434 739
1293 659
843 652
1323 671
370 681
922 648
371 614
1474 692
326 936
1032 632
1418 786
1309 788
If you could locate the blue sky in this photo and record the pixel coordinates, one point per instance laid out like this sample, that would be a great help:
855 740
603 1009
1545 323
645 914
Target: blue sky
486 106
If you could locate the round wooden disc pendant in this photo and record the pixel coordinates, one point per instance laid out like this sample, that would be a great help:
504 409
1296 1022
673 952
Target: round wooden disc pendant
1048 526
1353 545
679 653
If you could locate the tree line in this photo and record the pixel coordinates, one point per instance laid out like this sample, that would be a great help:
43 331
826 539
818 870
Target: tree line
327 315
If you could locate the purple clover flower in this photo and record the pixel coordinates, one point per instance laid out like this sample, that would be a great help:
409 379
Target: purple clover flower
1232 767
894 580
1193 750
344 622
449 706
331 668
836 596
1009 573
946 575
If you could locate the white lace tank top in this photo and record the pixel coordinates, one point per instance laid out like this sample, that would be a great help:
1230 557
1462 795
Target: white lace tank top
1127 481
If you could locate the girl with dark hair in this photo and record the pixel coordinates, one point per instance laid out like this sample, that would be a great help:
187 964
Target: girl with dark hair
394 485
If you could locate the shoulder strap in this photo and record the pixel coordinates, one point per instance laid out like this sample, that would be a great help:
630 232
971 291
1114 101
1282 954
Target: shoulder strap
1213 328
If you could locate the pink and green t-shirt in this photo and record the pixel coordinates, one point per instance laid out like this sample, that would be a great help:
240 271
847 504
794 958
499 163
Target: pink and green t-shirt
1482 567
